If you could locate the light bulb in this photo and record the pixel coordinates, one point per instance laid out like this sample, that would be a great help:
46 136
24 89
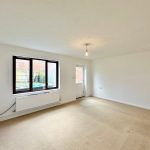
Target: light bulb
86 53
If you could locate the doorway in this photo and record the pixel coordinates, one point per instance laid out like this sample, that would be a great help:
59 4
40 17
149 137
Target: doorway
79 79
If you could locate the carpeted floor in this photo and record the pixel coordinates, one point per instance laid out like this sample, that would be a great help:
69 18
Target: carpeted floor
87 124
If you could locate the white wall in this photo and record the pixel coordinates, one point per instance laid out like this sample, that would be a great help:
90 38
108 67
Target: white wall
125 79
67 73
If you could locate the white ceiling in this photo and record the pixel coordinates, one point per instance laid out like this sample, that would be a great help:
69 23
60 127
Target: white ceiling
113 27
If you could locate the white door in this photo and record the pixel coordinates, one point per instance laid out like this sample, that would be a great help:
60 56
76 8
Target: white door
79 81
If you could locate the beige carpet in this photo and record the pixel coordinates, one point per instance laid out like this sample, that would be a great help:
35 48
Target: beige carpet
88 124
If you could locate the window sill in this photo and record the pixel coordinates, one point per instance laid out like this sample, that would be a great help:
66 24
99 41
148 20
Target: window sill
35 93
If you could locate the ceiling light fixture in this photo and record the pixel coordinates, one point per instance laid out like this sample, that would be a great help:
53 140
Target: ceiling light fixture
86 49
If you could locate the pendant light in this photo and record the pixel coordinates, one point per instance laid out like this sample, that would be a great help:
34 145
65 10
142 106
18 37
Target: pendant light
86 49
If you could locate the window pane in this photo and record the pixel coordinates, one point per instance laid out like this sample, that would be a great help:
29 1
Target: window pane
51 75
38 74
79 74
22 74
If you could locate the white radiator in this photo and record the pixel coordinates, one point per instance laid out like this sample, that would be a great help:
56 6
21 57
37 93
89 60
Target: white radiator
24 102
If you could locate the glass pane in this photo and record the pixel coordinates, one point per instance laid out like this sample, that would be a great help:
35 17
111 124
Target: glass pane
38 74
22 74
51 75
79 74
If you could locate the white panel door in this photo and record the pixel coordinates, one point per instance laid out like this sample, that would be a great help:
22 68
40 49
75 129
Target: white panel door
79 81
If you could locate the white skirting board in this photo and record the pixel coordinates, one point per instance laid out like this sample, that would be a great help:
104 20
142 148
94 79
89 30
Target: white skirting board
24 102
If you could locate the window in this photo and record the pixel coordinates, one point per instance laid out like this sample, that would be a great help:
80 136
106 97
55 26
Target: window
22 75
79 75
52 69
31 74
39 74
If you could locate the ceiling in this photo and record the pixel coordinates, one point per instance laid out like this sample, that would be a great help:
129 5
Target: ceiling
113 27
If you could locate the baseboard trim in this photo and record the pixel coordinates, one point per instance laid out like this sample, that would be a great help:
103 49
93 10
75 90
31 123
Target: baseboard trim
30 111
129 104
